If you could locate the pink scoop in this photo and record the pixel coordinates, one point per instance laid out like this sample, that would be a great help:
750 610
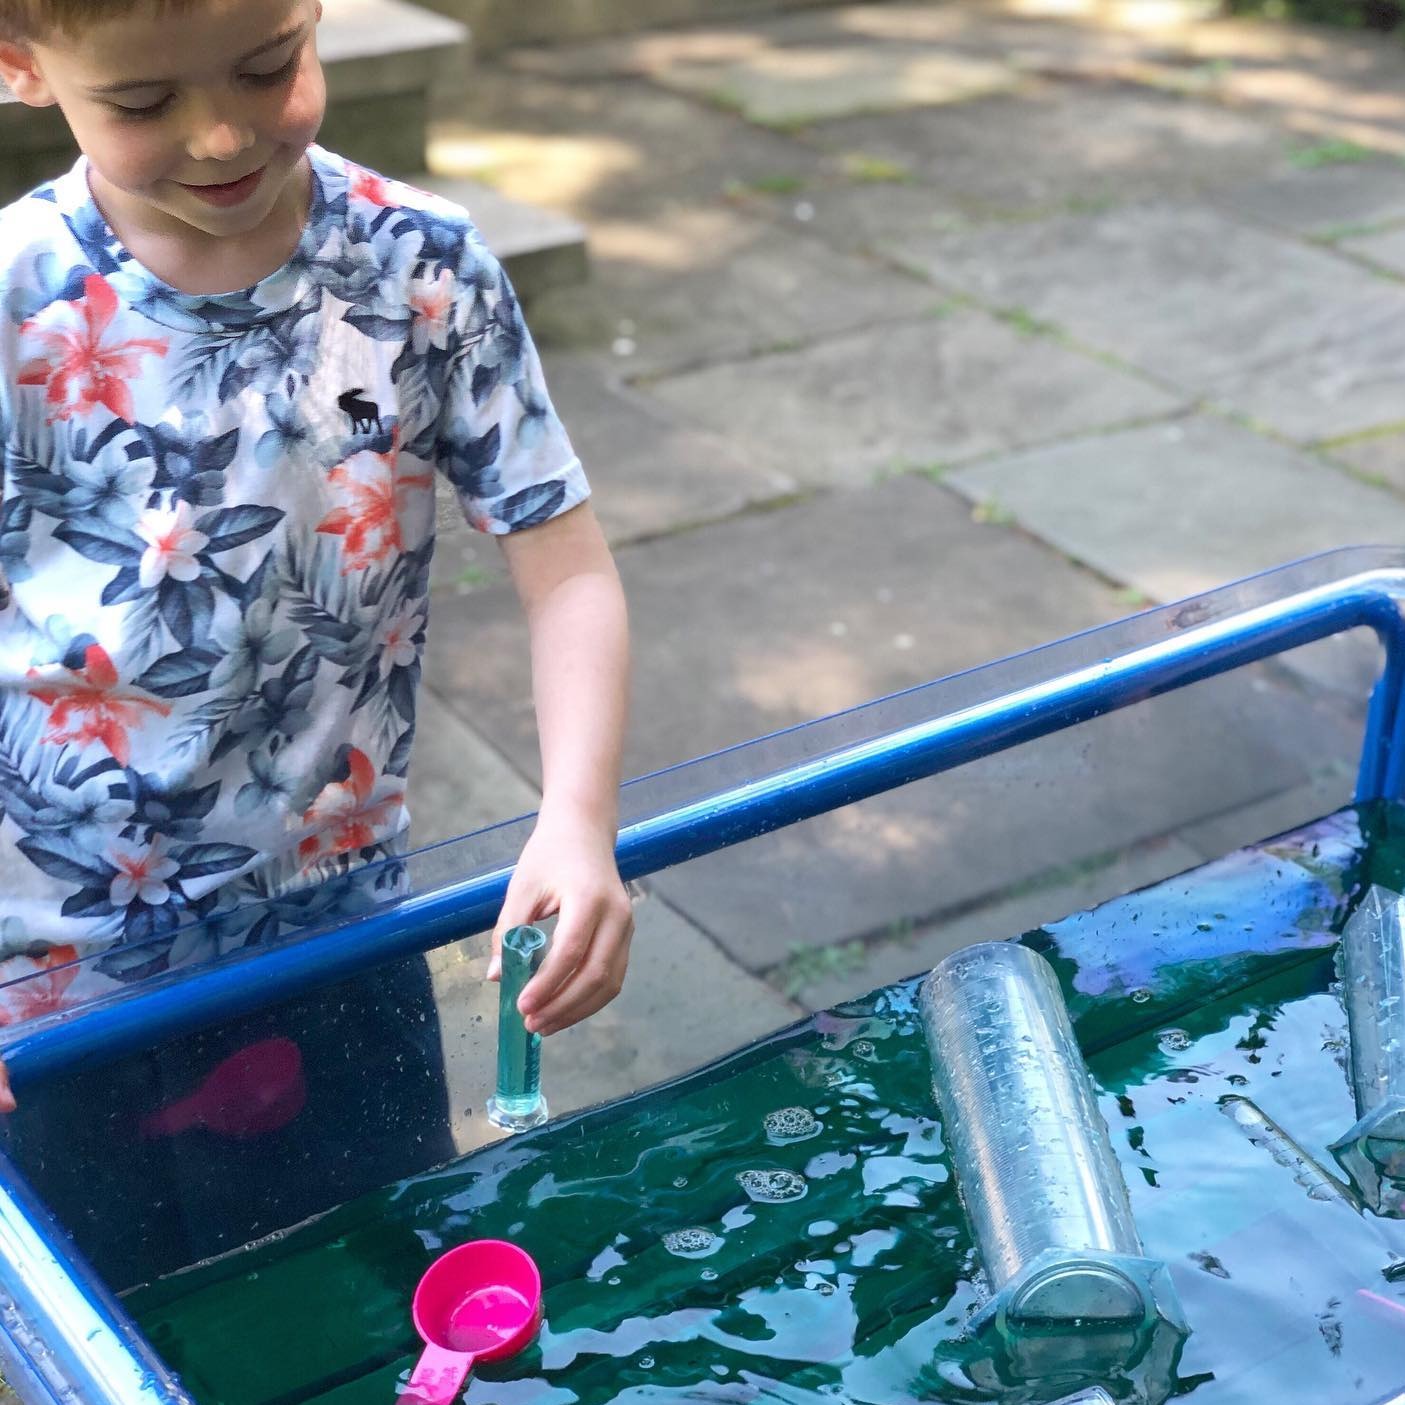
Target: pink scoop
479 1302
256 1090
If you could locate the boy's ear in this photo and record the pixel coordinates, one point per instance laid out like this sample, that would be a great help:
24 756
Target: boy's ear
21 74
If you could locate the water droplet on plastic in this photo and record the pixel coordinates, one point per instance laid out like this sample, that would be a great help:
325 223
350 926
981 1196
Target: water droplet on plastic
1141 995
679 1182
1173 1041
646 1363
709 1274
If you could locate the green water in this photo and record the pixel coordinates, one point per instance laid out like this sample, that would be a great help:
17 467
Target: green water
852 1283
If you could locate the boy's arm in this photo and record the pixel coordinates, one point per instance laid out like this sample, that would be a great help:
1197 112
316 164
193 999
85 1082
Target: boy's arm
570 590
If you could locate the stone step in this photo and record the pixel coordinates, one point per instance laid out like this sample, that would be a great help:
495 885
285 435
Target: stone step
540 249
381 58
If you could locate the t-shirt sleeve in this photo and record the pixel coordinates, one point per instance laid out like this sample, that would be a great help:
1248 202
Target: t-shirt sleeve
500 442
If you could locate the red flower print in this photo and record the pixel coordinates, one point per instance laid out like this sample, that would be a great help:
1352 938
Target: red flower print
369 523
87 706
35 993
78 370
347 812
367 185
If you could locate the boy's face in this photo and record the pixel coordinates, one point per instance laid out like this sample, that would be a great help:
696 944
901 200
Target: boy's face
199 116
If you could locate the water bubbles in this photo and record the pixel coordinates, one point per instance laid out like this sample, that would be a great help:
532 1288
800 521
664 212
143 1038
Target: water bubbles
695 1242
709 1274
772 1187
1140 995
679 1182
1173 1041
791 1124
824 1288
862 1049
613 1280
1237 1080
646 1363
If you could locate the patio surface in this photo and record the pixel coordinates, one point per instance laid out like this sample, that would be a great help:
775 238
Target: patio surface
916 335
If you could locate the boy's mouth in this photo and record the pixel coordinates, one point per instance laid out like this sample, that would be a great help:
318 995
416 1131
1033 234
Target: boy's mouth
228 193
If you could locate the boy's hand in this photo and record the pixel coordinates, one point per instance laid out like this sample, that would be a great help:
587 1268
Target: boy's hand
568 867
7 1098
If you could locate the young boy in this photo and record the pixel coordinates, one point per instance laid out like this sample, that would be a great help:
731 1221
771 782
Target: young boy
230 365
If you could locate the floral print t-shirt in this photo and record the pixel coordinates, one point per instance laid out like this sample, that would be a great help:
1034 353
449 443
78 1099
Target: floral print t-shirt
216 521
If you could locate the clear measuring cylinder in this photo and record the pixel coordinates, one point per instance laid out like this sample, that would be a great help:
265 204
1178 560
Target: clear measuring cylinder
518 1102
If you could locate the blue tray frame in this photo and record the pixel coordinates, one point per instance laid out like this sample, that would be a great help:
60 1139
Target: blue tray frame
64 1340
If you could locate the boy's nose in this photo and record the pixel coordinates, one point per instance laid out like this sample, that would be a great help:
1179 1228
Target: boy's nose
217 136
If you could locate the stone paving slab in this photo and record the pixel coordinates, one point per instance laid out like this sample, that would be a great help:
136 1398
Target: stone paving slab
800 85
1181 508
1027 40
1386 248
969 836
650 473
1381 460
607 150
1297 336
820 985
1313 78
458 782
1326 201
701 284
933 392
1054 143
1329 789
777 618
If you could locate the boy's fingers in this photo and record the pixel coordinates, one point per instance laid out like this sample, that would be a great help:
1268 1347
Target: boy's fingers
569 944
515 911
7 1098
594 983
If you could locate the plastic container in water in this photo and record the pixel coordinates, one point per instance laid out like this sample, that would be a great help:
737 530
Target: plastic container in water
1371 964
1075 1303
518 1103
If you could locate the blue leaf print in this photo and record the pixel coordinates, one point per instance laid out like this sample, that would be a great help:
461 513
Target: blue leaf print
380 327
161 809
201 860
124 586
15 519
180 674
234 526
531 505
51 859
188 608
123 550
485 381
469 461
398 763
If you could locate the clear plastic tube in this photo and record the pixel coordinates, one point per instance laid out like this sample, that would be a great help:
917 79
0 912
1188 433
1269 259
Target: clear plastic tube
1074 1301
1371 964
1032 1155
518 1102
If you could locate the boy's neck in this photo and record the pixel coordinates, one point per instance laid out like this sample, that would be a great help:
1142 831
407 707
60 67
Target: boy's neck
192 261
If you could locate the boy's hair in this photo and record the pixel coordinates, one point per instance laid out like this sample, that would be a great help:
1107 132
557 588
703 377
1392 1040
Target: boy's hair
34 19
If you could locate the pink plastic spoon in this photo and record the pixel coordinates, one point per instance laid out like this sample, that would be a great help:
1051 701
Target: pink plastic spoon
479 1302
256 1090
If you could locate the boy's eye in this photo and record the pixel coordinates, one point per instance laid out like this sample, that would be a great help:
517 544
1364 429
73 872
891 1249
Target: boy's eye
278 75
139 114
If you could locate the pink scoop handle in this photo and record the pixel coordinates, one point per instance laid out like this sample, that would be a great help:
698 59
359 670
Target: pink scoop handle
438 1375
